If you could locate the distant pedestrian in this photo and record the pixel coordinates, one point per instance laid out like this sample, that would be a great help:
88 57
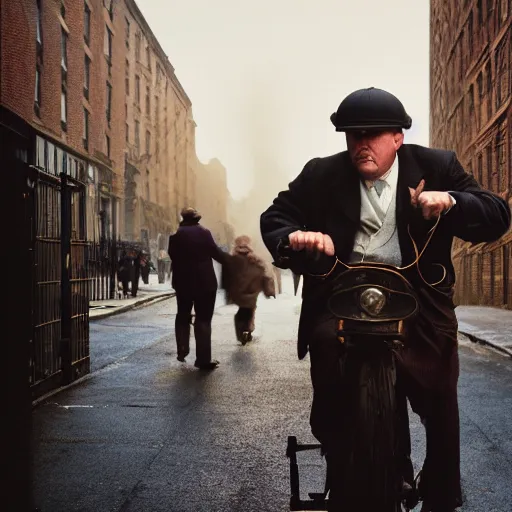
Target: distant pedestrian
124 272
163 263
191 250
245 276
145 267
136 255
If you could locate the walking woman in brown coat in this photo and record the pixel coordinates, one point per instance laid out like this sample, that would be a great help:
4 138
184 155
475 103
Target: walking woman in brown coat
244 278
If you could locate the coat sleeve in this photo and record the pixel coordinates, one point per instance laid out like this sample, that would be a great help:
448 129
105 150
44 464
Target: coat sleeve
170 247
289 212
213 249
478 215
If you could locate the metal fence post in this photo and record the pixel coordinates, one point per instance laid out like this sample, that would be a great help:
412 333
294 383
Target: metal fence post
113 266
65 219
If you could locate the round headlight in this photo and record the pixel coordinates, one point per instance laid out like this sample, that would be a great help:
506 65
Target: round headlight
372 300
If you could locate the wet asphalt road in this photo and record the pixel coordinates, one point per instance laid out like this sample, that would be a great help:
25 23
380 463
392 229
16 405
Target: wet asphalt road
147 434
119 336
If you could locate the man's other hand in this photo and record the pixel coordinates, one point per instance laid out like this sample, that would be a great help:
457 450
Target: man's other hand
432 203
311 241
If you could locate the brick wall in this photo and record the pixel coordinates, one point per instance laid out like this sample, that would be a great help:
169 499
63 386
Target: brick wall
166 180
17 76
471 113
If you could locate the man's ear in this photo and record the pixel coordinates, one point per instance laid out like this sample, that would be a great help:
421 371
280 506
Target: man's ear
399 140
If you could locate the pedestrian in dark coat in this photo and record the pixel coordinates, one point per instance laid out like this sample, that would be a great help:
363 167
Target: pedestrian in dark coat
137 257
245 276
328 210
145 267
191 250
125 272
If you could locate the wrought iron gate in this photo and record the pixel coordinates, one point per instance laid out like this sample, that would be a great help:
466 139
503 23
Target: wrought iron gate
60 342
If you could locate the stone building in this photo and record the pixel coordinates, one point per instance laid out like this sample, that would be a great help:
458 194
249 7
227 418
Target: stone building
158 135
92 94
471 113
212 200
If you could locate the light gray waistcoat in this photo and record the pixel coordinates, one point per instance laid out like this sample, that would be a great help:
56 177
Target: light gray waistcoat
377 237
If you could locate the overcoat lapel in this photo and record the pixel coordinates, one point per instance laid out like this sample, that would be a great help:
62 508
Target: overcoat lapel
344 206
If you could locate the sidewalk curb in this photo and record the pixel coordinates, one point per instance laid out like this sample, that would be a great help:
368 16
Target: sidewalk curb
122 309
481 341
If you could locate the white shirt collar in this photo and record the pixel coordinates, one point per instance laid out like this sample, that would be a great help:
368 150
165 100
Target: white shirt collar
390 177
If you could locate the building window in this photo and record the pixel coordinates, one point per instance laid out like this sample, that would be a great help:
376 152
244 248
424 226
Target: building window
137 89
109 102
148 103
127 33
137 47
64 52
137 135
480 13
148 57
108 48
39 25
148 142
107 145
480 92
86 129
147 185
63 109
37 92
127 133
87 76
489 87
488 178
127 78
87 23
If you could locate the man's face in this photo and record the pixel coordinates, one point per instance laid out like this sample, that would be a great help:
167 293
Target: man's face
373 153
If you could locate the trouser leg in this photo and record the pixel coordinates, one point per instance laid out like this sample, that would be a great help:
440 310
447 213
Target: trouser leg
439 485
182 324
204 306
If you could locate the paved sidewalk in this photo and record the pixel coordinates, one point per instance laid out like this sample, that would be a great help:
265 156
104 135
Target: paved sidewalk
147 293
152 292
487 325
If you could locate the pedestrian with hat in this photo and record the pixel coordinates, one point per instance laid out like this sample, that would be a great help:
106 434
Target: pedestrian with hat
192 249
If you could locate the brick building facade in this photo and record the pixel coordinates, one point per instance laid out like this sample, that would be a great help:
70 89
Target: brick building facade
471 113
69 73
158 131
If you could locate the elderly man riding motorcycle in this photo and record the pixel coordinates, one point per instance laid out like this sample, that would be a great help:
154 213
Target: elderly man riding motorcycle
377 202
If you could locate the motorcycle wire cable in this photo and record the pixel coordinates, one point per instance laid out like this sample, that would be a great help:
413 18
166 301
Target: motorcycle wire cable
416 262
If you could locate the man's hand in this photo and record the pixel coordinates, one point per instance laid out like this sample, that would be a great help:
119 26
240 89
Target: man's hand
311 241
432 203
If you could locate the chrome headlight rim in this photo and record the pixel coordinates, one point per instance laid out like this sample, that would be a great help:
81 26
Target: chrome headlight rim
372 300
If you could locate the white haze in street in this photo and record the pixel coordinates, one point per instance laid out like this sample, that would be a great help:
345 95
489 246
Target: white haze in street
265 76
